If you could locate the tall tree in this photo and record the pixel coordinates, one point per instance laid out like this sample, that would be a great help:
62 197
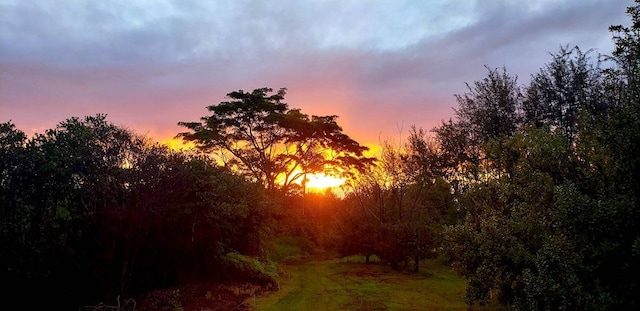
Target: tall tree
488 111
562 230
258 135
490 108
567 87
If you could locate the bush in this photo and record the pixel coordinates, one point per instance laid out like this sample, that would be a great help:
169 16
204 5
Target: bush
241 267
284 247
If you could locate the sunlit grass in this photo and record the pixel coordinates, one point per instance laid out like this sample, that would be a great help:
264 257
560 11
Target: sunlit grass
349 284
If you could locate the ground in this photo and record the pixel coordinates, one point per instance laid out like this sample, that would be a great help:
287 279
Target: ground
350 284
323 283
201 297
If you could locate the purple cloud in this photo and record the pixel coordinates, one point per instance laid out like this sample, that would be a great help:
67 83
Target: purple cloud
379 65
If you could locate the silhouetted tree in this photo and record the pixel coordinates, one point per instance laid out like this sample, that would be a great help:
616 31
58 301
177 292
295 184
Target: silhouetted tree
91 211
489 111
565 88
397 209
258 135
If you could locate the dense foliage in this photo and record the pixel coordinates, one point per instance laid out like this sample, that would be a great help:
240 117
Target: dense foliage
260 136
531 191
91 211
396 210
550 192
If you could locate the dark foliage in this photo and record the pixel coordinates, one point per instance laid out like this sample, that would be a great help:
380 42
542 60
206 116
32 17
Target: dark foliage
91 211
560 230
259 136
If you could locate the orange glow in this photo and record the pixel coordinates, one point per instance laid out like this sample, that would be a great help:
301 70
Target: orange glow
320 182
374 150
177 144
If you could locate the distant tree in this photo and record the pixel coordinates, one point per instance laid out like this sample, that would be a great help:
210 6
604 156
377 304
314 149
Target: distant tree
397 209
258 135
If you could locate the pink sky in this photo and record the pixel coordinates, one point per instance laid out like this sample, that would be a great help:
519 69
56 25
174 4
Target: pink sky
381 66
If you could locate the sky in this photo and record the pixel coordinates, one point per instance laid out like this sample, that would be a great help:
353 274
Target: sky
381 66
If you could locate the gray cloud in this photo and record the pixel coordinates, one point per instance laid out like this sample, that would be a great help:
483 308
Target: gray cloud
150 64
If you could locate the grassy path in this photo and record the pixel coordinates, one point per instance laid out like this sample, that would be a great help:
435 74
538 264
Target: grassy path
339 285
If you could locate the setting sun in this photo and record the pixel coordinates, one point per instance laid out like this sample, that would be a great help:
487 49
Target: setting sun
321 181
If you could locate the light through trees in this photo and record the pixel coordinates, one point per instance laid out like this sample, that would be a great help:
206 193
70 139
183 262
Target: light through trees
260 137
320 182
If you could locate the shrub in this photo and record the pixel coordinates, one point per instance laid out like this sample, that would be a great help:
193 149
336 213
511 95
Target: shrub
241 267
288 246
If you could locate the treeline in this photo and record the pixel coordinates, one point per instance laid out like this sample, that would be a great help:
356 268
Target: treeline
532 192
91 211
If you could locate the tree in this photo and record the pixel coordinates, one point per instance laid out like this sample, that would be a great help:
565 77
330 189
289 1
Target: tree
489 111
397 209
622 134
14 185
259 136
626 55
510 243
564 89
561 230
91 211
55 187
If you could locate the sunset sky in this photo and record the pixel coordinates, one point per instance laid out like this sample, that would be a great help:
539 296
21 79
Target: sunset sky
381 66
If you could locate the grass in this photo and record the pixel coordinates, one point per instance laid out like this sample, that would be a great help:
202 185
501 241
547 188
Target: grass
349 284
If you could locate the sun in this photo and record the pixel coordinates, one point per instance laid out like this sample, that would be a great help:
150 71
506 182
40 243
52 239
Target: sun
320 181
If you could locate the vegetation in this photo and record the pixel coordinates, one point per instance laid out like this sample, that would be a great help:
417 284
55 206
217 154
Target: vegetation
91 211
551 204
531 192
261 137
350 284
397 209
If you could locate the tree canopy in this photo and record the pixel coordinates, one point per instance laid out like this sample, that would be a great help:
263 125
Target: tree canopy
258 135
90 211
559 230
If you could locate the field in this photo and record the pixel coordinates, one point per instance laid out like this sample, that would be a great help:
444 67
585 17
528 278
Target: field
349 284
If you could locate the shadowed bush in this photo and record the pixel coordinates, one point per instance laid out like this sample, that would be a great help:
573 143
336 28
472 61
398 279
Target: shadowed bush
285 247
241 267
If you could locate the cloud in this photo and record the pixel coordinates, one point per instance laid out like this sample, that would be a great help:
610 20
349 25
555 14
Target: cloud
379 65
